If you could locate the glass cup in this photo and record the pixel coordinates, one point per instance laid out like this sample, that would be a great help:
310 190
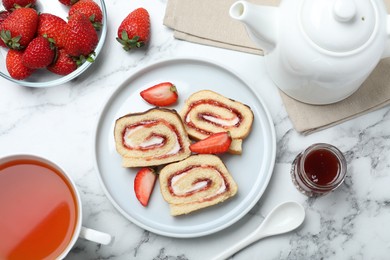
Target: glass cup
318 170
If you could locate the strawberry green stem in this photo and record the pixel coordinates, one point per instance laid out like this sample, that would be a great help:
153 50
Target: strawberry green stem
129 44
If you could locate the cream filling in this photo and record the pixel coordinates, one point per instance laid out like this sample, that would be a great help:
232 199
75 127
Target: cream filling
178 191
188 118
223 122
176 148
155 140
128 133
219 121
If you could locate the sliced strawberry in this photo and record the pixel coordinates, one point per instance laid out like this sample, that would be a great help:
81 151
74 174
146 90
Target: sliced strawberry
215 143
163 94
144 184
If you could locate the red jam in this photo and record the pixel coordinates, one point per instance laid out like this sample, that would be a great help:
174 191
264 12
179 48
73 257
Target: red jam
321 167
318 170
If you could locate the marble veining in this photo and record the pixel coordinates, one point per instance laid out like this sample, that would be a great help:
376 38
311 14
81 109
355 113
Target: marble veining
59 122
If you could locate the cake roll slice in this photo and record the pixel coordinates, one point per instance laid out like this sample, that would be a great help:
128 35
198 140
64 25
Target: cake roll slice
154 137
206 112
197 182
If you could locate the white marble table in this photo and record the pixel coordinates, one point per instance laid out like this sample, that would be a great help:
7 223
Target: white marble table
59 122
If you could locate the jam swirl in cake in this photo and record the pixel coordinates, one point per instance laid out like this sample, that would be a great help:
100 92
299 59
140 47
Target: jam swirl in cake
186 183
154 137
206 112
142 136
197 182
227 118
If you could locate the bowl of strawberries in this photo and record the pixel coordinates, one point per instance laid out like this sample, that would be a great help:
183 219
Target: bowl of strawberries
48 43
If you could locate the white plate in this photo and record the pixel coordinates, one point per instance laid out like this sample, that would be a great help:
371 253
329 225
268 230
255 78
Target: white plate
251 170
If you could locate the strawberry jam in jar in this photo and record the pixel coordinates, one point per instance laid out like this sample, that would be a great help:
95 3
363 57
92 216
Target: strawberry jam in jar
319 169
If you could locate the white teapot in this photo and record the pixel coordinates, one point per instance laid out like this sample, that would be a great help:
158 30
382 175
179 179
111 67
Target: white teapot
318 51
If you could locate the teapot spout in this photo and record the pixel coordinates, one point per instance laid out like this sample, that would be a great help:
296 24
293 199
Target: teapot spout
260 22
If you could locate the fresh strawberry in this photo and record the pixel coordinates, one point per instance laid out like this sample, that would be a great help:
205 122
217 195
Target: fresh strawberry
81 38
68 2
15 67
3 16
19 28
12 4
144 184
91 9
64 64
215 143
134 31
39 53
162 94
53 27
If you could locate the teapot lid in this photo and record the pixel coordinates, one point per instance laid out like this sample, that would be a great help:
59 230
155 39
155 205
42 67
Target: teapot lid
340 25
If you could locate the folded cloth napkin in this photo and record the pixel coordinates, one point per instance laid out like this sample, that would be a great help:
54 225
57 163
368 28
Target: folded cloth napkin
208 22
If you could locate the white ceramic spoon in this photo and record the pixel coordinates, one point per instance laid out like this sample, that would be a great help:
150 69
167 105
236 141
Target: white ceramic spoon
282 219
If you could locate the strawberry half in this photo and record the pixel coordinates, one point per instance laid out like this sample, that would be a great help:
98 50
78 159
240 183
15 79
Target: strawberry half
144 184
214 144
162 94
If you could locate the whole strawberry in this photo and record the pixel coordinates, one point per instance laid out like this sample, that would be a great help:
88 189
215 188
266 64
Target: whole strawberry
15 66
91 9
39 53
134 31
19 28
3 16
68 2
64 64
53 27
11 4
82 38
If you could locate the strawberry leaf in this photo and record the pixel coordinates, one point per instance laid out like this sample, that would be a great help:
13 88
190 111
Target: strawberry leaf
129 44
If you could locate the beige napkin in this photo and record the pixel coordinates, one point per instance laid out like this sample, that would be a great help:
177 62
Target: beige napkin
208 22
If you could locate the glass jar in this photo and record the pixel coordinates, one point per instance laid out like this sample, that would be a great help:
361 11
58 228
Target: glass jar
318 170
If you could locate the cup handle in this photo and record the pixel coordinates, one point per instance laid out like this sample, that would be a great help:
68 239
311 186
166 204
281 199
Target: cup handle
96 236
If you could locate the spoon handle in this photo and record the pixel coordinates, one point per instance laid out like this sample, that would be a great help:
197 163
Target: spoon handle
240 245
